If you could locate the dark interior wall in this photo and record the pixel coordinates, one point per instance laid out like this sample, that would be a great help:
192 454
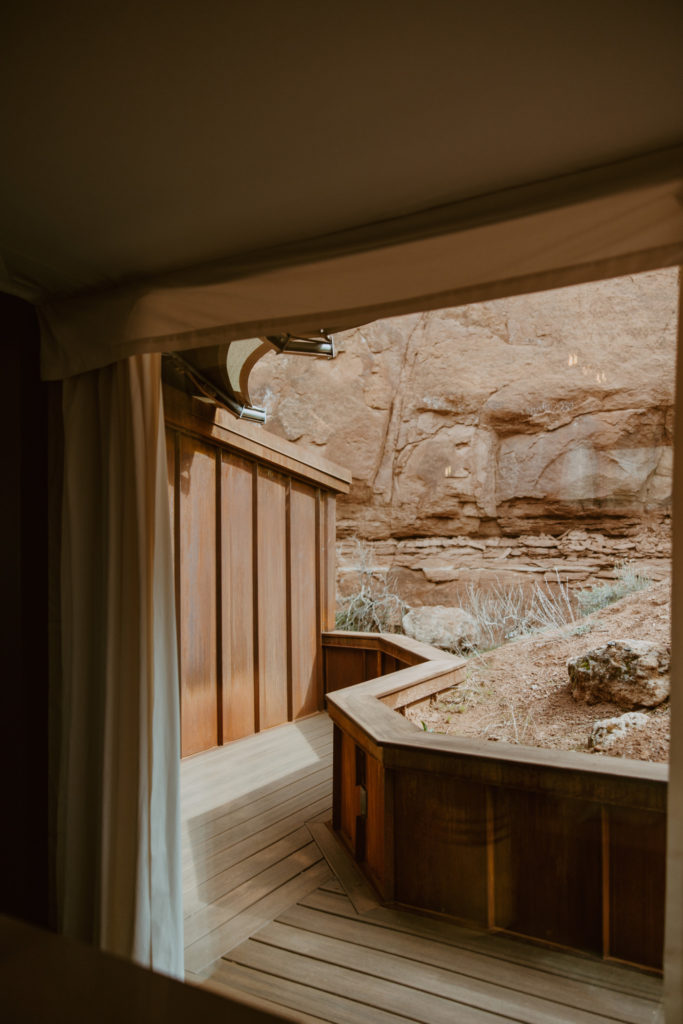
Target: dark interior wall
24 522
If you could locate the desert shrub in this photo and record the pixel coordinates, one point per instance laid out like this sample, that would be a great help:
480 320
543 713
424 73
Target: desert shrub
374 606
505 611
628 580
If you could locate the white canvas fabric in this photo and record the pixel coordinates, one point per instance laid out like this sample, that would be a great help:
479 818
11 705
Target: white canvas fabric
618 220
119 859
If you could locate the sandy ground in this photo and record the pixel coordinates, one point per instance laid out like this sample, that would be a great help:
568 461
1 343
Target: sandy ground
520 693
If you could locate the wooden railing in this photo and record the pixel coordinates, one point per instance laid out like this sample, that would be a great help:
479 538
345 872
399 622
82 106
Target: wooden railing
563 847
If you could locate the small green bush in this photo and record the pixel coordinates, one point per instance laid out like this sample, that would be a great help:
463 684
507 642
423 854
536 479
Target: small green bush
628 581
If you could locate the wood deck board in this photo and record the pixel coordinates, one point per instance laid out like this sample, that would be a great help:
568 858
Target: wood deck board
210 947
317 1004
245 771
229 879
585 970
239 782
265 915
246 809
201 871
249 892
353 882
421 978
293 740
307 734
333 886
208 847
378 992
553 998
202 825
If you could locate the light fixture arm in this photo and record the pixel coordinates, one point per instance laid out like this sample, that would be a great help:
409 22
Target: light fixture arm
219 373
322 346
217 395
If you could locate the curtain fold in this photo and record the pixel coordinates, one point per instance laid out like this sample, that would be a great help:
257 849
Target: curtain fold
673 946
118 845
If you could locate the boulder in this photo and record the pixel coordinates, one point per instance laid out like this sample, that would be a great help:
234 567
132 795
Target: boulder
630 673
609 731
452 629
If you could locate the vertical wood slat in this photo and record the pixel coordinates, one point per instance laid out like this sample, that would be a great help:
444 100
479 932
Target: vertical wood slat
374 841
490 861
549 868
440 844
289 555
347 808
237 587
386 883
605 854
220 715
303 600
319 610
197 569
337 740
255 594
272 598
328 573
637 852
344 666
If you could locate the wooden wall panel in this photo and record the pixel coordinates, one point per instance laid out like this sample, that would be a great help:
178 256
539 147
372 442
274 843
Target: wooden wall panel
373 664
197 611
440 844
391 664
344 666
374 843
240 683
547 867
254 553
328 577
271 560
348 790
637 870
304 600
330 549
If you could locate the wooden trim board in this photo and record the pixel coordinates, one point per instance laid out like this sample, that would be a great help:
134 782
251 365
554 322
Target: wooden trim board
350 877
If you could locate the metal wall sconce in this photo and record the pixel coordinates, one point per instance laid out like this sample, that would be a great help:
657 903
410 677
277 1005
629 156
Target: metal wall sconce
219 374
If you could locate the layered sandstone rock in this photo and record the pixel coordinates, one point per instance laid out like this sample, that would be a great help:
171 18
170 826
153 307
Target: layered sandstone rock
439 570
513 424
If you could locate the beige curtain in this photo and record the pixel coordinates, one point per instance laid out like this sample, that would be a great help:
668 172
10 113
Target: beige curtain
673 949
119 861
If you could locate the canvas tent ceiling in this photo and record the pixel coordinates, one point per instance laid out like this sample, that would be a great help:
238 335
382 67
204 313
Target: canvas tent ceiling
149 148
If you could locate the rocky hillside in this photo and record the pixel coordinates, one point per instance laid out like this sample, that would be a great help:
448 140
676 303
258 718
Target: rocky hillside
522 693
504 437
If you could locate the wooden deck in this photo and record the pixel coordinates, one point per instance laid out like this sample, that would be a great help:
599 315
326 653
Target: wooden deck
266 916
